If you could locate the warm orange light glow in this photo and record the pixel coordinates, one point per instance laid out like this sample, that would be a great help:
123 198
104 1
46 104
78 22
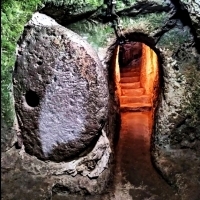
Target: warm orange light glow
117 71
137 83
149 70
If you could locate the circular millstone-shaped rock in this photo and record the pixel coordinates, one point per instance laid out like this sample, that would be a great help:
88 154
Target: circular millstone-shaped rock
61 94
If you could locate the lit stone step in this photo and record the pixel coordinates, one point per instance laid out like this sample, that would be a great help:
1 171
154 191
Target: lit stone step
135 107
130 69
129 79
130 85
135 99
132 92
129 74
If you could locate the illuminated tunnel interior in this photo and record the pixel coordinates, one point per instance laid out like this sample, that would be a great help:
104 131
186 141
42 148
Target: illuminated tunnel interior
136 77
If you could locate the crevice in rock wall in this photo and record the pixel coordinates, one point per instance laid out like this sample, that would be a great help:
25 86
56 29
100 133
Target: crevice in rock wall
182 13
170 24
59 189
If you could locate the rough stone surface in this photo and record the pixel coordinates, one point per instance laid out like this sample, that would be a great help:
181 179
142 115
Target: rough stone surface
61 70
91 165
9 131
25 176
129 53
176 135
193 8
6 136
175 141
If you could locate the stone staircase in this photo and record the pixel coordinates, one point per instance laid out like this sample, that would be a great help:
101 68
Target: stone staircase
132 94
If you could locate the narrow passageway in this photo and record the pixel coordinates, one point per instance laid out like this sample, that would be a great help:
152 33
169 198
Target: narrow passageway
137 73
136 174
133 94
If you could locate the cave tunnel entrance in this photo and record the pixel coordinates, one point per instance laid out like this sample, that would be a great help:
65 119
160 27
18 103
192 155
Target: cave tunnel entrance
136 77
137 83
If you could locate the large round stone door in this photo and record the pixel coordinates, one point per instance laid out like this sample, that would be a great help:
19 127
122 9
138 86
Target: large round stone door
60 91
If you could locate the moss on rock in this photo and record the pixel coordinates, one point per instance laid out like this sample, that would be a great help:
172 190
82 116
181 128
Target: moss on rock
14 16
179 35
145 23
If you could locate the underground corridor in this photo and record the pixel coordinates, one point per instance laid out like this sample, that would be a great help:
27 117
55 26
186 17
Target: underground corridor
136 74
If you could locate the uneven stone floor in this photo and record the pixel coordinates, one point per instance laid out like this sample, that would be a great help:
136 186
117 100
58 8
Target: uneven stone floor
138 179
135 177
